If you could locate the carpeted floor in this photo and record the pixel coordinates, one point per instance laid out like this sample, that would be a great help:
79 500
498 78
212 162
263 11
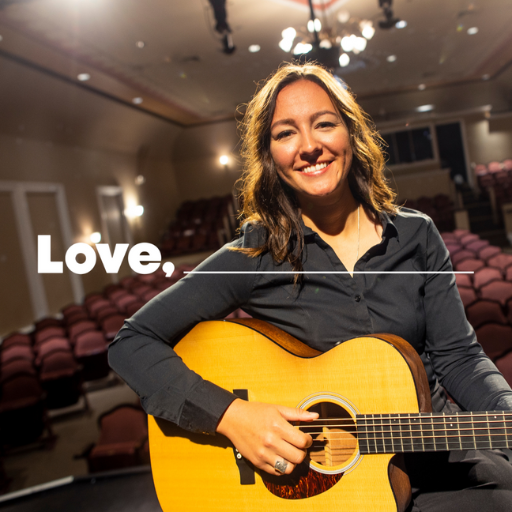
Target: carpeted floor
75 429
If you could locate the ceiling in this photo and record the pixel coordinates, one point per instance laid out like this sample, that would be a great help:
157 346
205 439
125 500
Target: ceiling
181 74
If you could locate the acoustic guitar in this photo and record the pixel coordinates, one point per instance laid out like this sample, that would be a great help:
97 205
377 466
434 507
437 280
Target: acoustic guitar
373 399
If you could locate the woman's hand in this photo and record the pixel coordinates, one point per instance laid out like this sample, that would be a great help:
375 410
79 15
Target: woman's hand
263 435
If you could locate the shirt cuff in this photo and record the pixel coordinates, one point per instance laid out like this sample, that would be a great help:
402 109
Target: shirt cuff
204 407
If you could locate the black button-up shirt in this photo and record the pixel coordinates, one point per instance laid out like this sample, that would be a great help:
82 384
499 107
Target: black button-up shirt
421 306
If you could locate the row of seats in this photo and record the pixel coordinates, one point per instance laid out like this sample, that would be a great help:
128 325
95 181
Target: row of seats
440 208
486 294
202 225
496 176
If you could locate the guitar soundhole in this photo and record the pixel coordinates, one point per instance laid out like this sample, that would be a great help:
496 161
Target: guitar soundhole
333 452
334 435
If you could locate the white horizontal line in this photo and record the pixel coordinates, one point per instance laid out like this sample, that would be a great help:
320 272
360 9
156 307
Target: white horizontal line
326 272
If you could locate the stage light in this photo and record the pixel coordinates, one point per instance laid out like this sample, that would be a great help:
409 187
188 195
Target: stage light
83 77
314 26
344 60
367 29
391 58
254 48
422 87
360 43
302 48
472 31
401 24
134 211
224 160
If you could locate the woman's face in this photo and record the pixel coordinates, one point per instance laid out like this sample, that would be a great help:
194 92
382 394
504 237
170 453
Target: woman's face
310 143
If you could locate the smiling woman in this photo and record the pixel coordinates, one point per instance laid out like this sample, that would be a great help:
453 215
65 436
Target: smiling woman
317 208
313 156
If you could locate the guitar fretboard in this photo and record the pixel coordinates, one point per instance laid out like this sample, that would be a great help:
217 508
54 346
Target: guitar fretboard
428 432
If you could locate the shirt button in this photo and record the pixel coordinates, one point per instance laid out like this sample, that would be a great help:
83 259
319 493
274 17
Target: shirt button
357 298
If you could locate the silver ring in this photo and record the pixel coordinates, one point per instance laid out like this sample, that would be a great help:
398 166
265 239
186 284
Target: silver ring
280 466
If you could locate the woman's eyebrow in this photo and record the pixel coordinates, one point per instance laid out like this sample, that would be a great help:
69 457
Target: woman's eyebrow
316 115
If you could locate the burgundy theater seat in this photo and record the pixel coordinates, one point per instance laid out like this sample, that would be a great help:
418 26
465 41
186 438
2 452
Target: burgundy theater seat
16 339
500 291
485 276
463 280
489 252
79 328
462 255
470 265
16 352
484 311
496 339
48 332
91 352
111 326
467 295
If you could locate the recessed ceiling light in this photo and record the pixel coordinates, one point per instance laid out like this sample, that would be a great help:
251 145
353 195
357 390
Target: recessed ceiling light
422 87
254 48
83 77
425 108
140 44
486 77
138 100
391 58
325 43
472 31
401 24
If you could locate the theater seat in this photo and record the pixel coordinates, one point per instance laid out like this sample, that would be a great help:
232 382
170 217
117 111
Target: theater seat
122 438
495 339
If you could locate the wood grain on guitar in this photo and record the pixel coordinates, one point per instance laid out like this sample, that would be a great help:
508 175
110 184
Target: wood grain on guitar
373 399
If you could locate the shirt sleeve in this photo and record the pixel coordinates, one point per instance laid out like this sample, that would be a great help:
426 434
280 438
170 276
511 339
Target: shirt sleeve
142 352
459 361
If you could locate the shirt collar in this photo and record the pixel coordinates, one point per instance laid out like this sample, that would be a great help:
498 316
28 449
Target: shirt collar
388 226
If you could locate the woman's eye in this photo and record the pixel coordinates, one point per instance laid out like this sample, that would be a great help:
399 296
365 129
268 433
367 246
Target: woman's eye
281 135
325 124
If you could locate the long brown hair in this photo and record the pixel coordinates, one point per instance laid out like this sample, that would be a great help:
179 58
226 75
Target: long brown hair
266 199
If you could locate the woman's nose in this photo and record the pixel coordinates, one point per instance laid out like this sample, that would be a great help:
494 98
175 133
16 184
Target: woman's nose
310 146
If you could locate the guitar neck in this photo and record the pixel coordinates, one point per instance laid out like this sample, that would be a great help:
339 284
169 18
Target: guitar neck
430 432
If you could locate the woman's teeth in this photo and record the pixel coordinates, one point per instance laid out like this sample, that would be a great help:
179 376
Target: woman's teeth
314 168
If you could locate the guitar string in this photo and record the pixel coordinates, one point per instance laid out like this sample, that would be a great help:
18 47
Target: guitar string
336 435
460 425
418 416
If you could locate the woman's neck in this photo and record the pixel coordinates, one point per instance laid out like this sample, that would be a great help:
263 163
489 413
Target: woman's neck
331 218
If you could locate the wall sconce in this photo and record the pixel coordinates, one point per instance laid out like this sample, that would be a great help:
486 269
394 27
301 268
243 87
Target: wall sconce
134 211
95 237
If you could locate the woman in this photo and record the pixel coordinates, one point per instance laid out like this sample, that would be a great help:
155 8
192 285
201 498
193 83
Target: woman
315 201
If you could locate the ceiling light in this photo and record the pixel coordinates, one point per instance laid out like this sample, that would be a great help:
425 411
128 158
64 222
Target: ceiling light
140 44
401 24
137 101
289 33
343 16
1 38
95 237
425 108
254 48
325 43
83 77
344 60
347 43
314 26
486 77
368 31
391 58
472 31
302 48
360 43
140 180
422 87
286 44
224 160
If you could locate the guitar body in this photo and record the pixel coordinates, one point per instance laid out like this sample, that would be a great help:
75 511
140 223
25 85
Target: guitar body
366 375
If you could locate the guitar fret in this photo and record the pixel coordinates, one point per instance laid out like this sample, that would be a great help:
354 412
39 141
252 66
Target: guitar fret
362 434
387 435
395 432
508 426
407 441
499 439
417 437
379 436
466 432
439 431
452 433
429 440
